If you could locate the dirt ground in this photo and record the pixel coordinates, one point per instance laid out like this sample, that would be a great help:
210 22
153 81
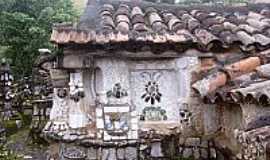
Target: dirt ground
21 144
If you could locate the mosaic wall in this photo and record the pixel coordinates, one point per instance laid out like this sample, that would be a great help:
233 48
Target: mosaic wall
117 95
155 99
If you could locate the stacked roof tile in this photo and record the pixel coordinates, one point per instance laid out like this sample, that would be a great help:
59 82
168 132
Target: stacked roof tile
248 92
244 81
249 28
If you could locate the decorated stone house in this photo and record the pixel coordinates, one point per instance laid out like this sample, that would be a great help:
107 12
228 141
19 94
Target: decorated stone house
138 80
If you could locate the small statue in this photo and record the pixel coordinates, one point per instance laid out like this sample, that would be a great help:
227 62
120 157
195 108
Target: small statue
117 91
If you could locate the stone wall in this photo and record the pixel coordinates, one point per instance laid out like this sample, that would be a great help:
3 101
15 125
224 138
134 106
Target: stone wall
198 148
97 153
253 143
115 93
231 118
168 148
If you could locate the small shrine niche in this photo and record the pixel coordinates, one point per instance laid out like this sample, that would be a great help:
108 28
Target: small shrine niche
113 97
133 92
115 118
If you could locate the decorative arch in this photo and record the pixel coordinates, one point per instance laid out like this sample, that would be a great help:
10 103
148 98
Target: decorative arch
98 81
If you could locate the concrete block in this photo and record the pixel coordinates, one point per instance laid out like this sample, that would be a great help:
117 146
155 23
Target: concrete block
193 142
99 112
156 150
120 153
131 153
204 153
100 123
92 153
109 154
196 153
187 153
213 153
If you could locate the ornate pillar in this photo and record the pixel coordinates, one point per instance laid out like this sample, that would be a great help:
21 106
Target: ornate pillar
77 117
185 67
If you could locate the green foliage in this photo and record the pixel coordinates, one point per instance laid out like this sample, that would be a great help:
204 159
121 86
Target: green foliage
25 26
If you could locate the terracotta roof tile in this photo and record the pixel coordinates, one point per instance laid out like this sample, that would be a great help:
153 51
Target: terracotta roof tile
229 72
247 80
161 24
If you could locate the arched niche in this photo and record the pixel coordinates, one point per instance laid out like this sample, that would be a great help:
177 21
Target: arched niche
87 83
233 117
98 82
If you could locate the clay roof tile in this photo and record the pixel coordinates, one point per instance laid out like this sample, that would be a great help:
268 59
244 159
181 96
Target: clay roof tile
247 28
136 11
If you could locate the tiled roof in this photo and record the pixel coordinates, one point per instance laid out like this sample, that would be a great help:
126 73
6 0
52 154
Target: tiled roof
246 80
115 22
257 92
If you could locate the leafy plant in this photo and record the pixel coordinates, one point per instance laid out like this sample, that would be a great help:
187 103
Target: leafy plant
25 26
